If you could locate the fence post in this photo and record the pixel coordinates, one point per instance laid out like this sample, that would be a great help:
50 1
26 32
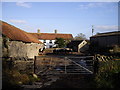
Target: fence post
50 62
65 65
35 64
96 64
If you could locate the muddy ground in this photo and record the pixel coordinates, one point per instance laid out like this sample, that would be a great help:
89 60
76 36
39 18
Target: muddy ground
73 81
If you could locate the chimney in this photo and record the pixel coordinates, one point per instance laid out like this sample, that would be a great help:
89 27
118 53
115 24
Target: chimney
38 31
55 31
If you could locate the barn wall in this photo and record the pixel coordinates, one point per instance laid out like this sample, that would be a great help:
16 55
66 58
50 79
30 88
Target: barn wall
23 50
19 49
106 41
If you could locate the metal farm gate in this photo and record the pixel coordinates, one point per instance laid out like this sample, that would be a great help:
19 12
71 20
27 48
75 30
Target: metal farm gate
80 65
64 65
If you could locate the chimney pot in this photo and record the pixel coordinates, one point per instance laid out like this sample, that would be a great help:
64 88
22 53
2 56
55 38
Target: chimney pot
38 31
55 31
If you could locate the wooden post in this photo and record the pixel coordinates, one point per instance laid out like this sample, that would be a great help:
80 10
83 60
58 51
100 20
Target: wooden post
65 65
96 64
50 62
35 64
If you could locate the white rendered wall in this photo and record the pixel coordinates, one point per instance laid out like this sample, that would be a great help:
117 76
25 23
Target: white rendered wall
81 45
48 44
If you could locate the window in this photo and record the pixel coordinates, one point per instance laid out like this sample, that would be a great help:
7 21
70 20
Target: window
50 41
50 46
44 41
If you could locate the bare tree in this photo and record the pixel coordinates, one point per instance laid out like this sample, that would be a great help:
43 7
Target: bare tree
80 36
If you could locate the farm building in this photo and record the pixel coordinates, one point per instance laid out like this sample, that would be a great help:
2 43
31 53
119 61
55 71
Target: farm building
105 40
49 38
78 45
18 43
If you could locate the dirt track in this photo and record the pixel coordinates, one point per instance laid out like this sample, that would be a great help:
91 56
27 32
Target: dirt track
74 81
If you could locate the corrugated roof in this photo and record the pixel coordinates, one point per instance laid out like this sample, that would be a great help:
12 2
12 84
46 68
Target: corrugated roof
52 36
107 34
17 34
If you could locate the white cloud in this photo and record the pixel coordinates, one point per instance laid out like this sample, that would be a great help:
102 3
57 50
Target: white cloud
23 4
18 21
90 5
105 28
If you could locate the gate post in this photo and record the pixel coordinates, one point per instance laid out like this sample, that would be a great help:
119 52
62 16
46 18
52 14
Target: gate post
96 64
35 64
65 64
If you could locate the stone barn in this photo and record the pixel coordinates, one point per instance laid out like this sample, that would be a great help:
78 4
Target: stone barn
18 43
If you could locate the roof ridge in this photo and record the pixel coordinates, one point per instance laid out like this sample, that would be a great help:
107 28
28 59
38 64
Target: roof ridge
52 36
107 33
49 33
17 34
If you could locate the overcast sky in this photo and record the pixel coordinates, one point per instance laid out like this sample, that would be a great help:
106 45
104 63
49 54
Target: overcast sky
66 17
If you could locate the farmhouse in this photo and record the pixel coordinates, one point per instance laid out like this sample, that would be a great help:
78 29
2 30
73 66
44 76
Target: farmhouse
49 38
18 43
105 40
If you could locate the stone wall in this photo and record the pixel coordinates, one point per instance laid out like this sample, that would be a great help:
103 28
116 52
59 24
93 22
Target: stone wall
23 50
19 49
